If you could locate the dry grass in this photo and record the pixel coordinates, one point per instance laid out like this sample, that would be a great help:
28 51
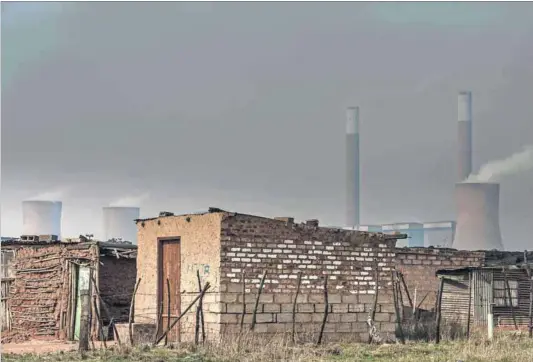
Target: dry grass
509 347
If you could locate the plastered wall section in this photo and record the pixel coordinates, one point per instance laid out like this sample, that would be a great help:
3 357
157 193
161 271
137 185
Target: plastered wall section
200 250
253 245
419 265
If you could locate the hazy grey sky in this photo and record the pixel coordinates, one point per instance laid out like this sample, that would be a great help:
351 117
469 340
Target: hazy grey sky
241 106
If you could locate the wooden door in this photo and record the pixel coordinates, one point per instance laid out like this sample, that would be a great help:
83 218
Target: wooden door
169 276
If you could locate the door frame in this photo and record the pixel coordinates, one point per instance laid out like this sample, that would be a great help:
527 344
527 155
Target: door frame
161 285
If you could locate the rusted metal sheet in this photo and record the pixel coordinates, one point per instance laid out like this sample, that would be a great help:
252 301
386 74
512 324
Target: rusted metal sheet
455 299
482 295
519 283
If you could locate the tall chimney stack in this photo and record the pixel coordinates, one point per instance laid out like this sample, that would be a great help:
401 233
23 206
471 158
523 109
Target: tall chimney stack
352 167
464 135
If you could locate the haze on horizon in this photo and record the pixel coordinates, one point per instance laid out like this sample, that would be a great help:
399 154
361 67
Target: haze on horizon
241 106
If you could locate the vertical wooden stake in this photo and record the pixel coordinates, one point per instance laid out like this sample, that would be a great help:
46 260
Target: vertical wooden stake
411 304
469 305
100 323
254 316
439 307
130 319
294 303
397 310
414 303
85 301
199 314
399 296
326 310
159 320
374 305
508 294
168 309
243 298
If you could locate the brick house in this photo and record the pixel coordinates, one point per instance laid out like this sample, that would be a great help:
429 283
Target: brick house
222 246
40 287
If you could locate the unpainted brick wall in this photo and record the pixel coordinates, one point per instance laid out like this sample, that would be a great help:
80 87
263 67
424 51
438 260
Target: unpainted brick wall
116 283
419 265
253 245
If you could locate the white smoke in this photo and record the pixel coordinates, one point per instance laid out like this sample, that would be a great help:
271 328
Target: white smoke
53 195
495 170
130 201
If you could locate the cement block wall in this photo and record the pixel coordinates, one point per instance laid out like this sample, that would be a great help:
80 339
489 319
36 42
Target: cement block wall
253 245
200 250
419 266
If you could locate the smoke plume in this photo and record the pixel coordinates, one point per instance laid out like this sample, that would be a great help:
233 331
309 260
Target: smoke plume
130 201
495 170
54 195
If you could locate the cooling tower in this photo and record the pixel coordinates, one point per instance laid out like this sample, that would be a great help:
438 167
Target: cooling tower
41 218
119 223
464 135
352 167
478 224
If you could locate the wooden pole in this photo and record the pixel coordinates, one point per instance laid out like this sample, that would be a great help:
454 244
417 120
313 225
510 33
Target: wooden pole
399 296
469 304
439 307
106 310
199 314
254 316
85 301
243 299
414 303
99 321
508 294
130 319
168 309
374 306
397 310
207 286
411 304
159 321
294 308
326 310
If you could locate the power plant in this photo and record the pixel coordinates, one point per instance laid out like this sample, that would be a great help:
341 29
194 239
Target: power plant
119 223
477 204
40 218
478 224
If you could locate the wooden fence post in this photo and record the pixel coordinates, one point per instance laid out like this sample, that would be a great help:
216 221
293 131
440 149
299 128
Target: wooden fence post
199 314
396 308
508 295
130 319
372 317
168 309
439 307
469 304
85 301
326 310
254 316
243 299
294 303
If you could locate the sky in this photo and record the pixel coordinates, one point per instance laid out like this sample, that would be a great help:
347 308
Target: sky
241 106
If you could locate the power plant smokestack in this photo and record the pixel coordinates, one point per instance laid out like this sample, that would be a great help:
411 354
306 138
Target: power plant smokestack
464 135
478 224
352 167
41 218
119 223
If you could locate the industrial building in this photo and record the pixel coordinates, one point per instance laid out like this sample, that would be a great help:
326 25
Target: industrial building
477 224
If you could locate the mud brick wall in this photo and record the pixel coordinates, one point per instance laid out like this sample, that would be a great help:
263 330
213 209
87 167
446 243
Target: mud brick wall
199 236
40 290
253 245
116 283
419 266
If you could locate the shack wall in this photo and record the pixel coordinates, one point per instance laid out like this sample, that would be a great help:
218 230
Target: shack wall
503 315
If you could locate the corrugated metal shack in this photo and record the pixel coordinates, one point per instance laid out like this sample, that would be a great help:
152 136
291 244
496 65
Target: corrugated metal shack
506 290
41 296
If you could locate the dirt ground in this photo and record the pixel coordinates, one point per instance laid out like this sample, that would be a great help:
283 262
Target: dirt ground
40 347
